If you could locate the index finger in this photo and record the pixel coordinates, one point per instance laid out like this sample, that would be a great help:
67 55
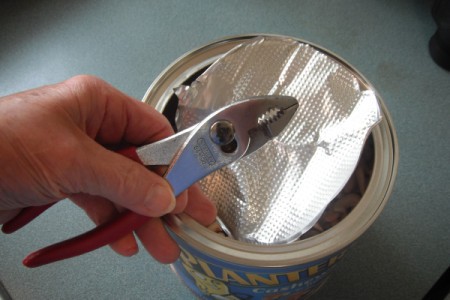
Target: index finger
110 116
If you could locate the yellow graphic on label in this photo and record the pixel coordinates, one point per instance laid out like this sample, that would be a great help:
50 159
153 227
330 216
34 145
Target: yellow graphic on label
210 286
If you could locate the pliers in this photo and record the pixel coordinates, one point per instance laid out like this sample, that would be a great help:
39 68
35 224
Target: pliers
223 137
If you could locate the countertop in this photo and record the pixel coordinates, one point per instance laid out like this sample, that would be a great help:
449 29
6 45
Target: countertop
128 43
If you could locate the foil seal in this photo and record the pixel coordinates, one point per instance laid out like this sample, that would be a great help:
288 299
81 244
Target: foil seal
278 193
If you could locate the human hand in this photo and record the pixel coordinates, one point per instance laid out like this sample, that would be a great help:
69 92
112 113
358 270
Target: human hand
53 147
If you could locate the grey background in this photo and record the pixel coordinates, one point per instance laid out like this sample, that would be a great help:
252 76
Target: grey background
128 43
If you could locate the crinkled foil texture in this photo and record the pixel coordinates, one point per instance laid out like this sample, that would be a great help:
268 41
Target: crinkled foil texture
277 193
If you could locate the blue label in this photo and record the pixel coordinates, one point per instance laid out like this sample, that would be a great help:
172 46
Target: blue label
213 278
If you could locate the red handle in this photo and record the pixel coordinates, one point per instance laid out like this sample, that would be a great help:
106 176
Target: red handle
130 152
98 237
27 215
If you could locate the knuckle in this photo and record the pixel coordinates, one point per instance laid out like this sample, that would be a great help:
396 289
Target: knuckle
83 80
84 85
128 185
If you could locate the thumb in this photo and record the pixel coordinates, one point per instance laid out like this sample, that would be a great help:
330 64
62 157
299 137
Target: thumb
124 182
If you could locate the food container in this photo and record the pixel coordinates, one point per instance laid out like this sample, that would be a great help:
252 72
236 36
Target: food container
216 267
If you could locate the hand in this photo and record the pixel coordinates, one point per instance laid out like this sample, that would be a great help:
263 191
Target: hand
51 149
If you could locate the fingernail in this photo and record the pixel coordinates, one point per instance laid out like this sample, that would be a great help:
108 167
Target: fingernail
160 200
131 251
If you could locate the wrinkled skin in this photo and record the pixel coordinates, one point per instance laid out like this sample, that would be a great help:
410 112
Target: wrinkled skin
53 143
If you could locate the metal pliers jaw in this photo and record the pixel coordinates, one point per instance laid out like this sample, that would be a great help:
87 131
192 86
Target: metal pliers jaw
222 138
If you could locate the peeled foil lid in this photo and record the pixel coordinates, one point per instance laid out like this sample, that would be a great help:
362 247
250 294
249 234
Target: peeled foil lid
277 193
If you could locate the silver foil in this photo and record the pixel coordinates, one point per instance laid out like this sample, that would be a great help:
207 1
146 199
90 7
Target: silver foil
277 193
